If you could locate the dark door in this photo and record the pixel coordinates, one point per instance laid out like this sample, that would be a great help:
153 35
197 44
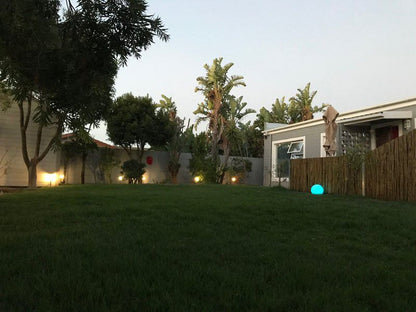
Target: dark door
386 134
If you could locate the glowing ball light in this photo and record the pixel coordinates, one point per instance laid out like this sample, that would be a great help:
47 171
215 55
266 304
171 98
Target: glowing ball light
317 189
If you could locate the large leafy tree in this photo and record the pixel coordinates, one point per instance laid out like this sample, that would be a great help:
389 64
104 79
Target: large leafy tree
59 63
134 122
216 86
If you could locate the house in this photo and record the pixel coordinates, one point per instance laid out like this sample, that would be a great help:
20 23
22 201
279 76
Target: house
13 171
365 128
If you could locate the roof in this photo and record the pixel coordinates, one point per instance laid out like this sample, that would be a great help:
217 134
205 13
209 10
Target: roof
98 142
373 112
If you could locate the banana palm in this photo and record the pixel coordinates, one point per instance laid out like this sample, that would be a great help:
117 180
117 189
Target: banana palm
233 112
216 85
167 105
300 107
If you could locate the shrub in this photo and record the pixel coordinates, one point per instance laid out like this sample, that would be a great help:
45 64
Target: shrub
133 171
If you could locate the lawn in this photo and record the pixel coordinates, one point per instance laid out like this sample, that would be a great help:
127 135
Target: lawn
204 248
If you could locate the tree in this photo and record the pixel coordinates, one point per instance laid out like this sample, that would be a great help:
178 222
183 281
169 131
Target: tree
179 139
216 85
69 150
252 141
80 144
77 52
277 114
233 112
300 107
201 163
133 171
133 122
107 162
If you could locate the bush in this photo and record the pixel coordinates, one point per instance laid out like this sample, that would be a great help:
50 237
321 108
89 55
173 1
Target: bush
133 171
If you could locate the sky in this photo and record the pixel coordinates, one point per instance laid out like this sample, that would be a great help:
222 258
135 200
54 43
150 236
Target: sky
354 53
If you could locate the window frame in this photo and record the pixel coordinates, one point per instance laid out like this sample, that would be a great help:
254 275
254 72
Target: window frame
274 152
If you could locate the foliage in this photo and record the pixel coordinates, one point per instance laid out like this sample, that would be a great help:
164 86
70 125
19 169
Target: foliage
69 151
252 141
78 50
79 144
277 114
224 113
107 162
233 112
298 109
201 164
179 139
134 122
239 168
133 171
216 86
356 155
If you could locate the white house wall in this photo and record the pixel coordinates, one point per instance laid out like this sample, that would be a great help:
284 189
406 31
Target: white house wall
157 172
15 174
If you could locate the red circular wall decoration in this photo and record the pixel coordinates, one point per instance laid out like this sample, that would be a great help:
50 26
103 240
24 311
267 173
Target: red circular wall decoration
149 160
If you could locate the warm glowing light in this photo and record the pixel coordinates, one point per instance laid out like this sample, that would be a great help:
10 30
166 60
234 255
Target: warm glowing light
234 179
61 177
197 179
120 178
50 178
143 178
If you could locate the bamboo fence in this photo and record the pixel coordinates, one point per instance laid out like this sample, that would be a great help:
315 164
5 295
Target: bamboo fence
387 173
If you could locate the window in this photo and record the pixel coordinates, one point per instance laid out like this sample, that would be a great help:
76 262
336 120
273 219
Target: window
283 151
295 147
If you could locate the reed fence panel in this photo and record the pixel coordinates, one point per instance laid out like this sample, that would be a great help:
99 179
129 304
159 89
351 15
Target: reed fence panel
388 172
333 173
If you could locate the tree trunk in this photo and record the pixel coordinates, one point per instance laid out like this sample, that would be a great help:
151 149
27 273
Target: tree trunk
32 173
175 178
65 174
223 166
31 164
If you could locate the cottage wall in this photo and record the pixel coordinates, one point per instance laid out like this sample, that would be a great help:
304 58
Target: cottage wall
13 170
312 146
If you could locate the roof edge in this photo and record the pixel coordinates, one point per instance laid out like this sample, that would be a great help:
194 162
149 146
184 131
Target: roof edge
368 110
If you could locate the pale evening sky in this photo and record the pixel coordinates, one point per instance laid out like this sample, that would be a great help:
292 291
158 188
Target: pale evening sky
355 53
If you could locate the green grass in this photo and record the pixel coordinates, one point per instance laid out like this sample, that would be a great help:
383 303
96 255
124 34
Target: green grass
204 248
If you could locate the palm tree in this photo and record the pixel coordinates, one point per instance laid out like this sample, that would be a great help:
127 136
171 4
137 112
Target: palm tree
232 114
300 108
180 134
278 114
168 105
215 86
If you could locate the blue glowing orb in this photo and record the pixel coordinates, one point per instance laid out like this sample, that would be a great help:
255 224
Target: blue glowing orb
317 189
